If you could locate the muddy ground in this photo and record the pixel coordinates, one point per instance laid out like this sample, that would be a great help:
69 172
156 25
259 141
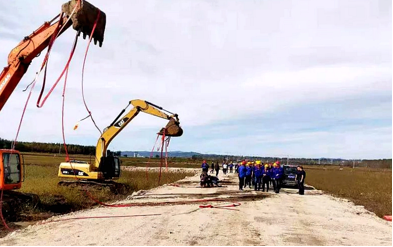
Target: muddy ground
171 215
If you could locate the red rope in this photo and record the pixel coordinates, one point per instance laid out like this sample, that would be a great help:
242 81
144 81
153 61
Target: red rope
39 105
162 149
63 94
54 36
1 211
222 207
151 155
65 145
46 58
166 152
174 185
83 71
23 113
62 117
160 203
101 217
144 215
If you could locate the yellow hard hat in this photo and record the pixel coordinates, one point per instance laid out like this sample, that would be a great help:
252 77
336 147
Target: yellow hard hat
266 165
258 162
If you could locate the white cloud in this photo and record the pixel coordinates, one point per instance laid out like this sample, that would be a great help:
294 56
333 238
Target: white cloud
211 62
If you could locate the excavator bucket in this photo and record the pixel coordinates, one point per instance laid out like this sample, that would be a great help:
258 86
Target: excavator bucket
85 17
172 129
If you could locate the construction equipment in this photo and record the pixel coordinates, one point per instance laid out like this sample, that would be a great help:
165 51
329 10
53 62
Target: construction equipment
83 17
106 168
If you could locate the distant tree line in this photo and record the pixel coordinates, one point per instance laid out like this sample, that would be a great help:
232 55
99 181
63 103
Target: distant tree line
39 147
377 163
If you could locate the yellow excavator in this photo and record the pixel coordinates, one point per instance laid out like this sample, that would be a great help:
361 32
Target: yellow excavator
106 168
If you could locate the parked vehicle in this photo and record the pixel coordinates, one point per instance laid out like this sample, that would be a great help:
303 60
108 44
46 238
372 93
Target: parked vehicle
289 175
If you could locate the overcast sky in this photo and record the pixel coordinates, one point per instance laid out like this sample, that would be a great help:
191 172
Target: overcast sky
271 78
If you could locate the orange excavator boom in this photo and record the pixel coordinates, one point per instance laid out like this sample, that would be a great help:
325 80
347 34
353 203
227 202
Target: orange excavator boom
78 13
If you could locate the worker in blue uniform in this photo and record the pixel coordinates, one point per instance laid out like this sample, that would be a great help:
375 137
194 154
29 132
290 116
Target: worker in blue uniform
258 169
242 175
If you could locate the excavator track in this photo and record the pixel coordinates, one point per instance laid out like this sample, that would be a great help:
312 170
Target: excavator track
116 188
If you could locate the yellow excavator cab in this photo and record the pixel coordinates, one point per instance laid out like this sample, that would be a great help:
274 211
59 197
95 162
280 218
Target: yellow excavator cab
109 169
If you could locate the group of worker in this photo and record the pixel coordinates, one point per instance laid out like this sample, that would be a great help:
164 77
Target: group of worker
257 174
251 173
254 173
215 167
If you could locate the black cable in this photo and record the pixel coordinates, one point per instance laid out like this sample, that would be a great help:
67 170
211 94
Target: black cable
30 84
27 37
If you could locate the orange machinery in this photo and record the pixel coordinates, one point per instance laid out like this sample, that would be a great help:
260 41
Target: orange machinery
82 16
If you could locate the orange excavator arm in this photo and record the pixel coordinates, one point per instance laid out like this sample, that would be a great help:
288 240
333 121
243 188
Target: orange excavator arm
82 16
21 56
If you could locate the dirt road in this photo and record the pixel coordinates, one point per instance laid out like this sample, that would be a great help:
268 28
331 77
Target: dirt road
261 219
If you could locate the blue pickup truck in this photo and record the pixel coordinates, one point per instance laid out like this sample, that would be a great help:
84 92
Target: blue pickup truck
289 176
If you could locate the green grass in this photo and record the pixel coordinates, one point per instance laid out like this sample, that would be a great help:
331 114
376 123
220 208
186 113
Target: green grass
369 187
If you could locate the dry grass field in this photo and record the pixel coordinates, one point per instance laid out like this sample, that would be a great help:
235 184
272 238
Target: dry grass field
369 187
41 179
155 162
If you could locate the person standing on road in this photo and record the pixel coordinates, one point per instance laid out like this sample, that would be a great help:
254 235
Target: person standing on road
231 167
281 175
212 168
252 173
257 175
217 168
242 175
270 174
225 167
300 176
276 178
248 175
205 167
265 178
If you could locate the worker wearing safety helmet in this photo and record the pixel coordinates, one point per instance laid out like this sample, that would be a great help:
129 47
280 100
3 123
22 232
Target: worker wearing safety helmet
271 174
248 175
258 169
205 167
275 177
252 165
242 174
265 178
279 177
